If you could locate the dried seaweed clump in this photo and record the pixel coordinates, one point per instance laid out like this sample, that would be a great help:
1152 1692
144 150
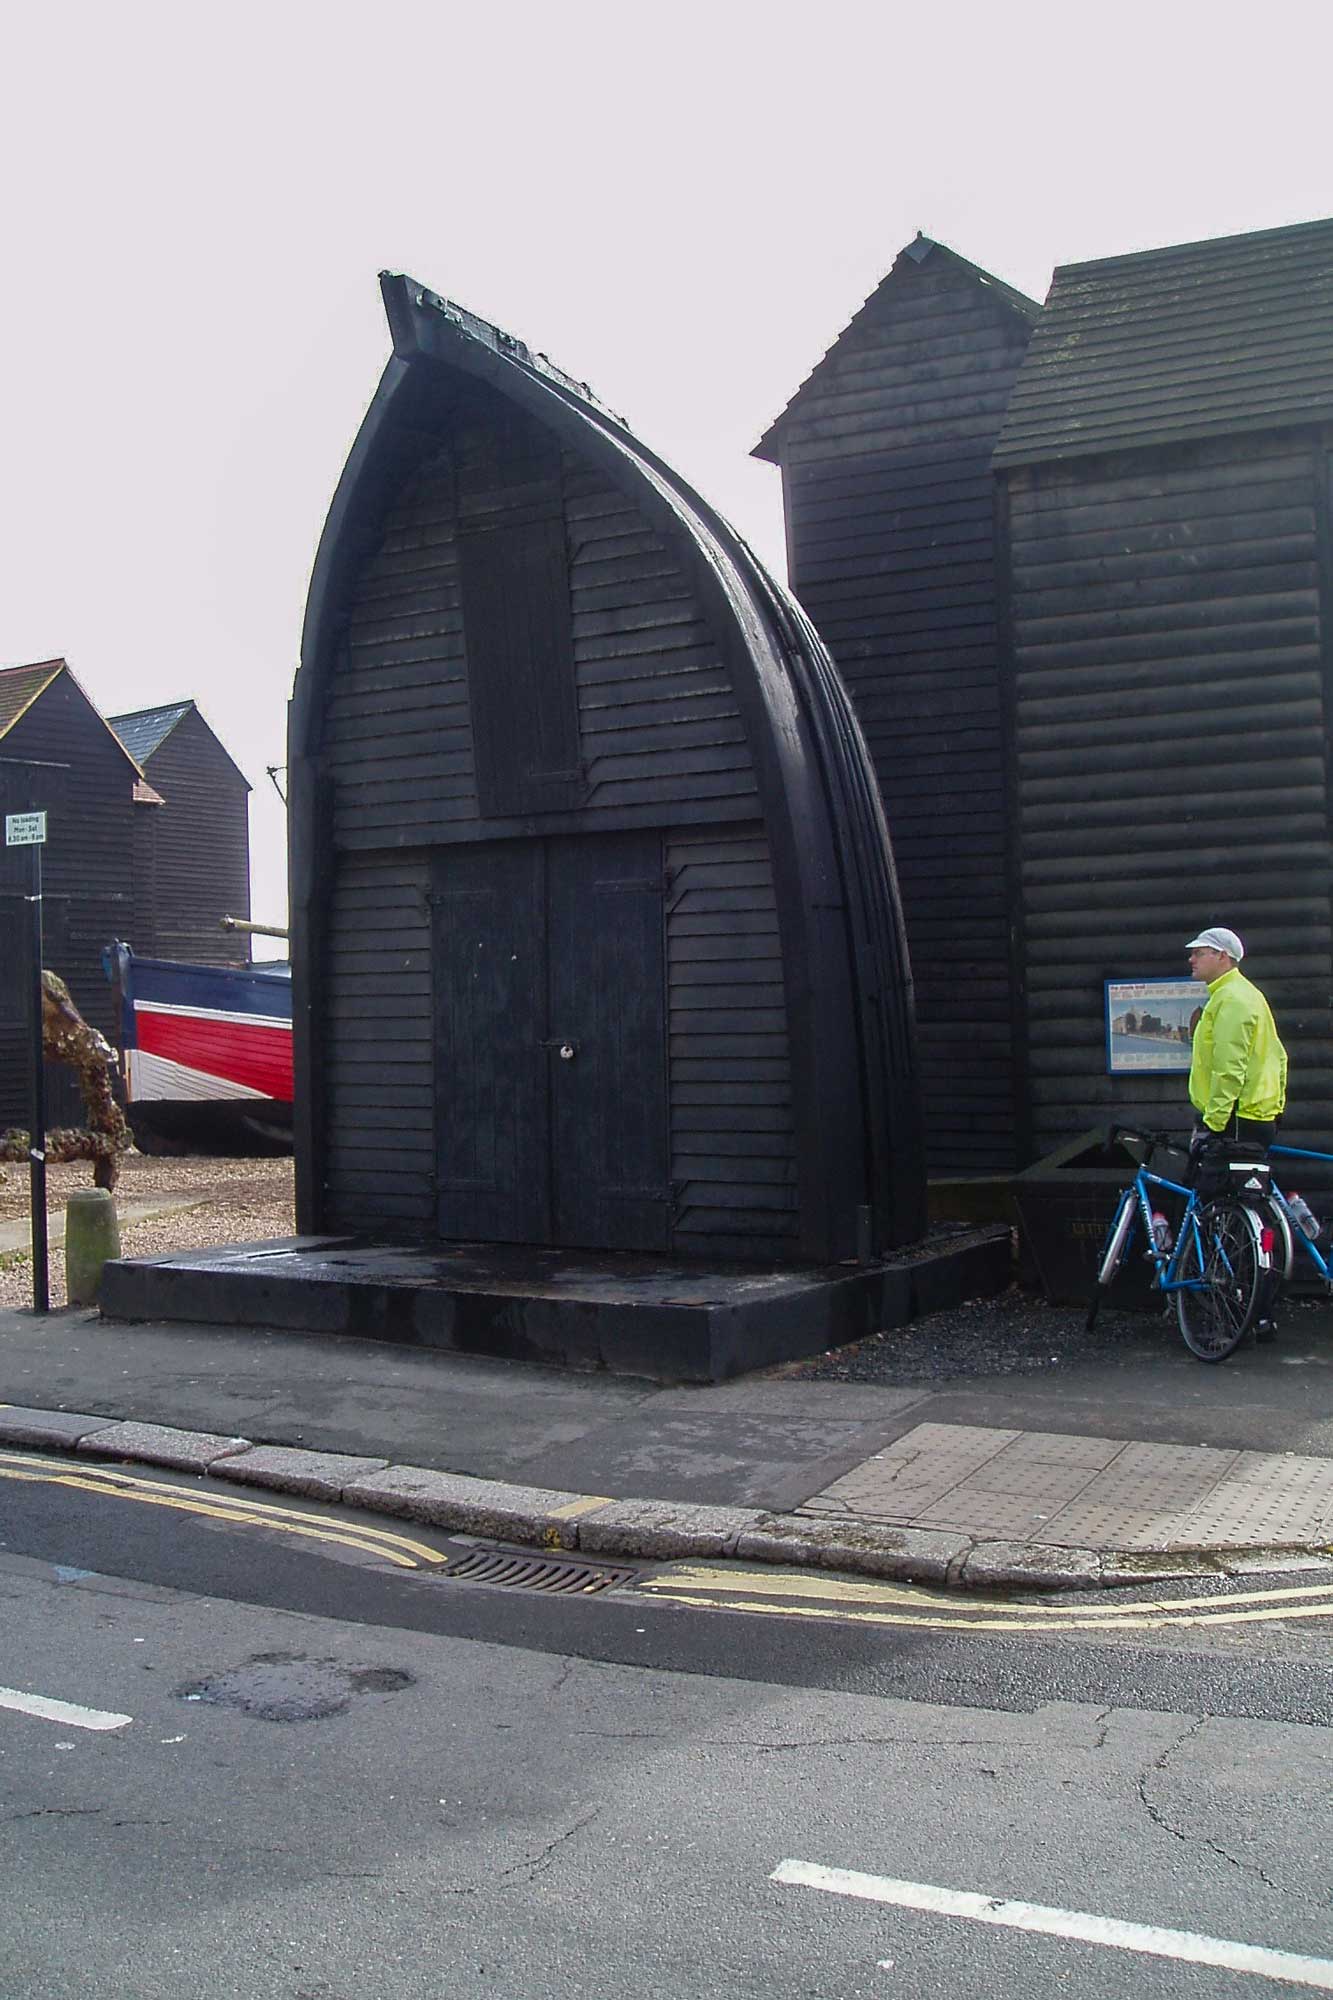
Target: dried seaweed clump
67 1038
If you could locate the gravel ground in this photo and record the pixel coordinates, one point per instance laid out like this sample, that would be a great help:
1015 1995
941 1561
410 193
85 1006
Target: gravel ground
1018 1333
240 1200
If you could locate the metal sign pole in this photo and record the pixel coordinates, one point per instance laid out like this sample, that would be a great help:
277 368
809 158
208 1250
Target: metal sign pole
28 829
41 1282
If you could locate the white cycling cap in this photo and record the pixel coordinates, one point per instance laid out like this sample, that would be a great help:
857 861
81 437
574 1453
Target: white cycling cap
1218 939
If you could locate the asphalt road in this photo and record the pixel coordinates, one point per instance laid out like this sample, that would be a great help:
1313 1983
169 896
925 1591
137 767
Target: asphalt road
297 1767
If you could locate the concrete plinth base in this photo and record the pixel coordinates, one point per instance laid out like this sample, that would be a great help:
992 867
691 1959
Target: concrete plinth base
633 1315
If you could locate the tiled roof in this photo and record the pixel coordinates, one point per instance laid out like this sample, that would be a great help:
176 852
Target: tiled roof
20 687
1191 341
146 729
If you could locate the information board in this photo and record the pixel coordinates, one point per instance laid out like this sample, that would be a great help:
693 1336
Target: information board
1150 1023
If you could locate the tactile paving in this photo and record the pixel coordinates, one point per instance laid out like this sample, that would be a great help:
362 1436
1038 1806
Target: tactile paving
1085 1492
909 1475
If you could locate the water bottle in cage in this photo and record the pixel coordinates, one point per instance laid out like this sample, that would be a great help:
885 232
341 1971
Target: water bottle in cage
1303 1215
1161 1230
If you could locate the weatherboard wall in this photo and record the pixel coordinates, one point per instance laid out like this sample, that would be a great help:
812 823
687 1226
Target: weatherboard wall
1170 654
885 457
660 747
659 730
84 782
192 852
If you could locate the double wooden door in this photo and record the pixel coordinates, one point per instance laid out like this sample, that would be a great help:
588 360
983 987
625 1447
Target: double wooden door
550 1035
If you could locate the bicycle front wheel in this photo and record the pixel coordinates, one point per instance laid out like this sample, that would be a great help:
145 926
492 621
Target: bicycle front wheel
1224 1268
1117 1236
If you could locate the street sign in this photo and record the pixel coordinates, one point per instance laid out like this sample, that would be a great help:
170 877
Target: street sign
25 829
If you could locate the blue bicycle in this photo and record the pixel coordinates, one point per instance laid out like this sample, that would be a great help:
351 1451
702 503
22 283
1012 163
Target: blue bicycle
1218 1262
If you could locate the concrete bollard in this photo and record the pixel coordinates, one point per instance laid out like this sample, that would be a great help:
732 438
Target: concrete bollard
92 1235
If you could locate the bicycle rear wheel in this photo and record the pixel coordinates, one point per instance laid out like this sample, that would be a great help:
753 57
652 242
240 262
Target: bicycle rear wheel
1112 1252
1226 1269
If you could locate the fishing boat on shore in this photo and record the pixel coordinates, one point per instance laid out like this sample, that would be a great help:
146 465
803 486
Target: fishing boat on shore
205 1052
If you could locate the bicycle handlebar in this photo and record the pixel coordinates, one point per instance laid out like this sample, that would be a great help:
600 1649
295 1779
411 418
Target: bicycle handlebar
1177 1141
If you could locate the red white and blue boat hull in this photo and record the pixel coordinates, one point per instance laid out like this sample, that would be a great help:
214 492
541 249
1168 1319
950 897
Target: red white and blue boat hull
206 1049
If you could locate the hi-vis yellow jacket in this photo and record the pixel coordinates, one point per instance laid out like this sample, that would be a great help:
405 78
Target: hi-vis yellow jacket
1238 1062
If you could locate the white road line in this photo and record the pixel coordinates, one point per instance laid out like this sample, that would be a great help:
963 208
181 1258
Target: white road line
68 1712
1190 1946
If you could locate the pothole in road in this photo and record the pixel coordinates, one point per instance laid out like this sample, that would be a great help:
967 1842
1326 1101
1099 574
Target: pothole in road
287 1687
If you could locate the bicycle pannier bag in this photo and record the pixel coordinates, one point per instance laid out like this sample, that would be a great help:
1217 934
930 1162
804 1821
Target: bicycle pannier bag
1235 1167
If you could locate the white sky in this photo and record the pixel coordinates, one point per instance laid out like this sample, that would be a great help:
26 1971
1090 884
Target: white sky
681 204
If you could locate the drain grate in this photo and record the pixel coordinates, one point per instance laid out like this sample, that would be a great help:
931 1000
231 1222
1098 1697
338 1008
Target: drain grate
537 1573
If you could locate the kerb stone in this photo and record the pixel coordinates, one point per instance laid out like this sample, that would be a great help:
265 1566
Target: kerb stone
157 1444
471 1506
1026 1565
318 1475
58 1429
1266 1562
907 1555
663 1529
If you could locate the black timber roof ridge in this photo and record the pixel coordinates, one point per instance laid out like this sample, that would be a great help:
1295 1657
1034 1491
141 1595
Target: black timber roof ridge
507 345
1228 334
1027 309
1288 232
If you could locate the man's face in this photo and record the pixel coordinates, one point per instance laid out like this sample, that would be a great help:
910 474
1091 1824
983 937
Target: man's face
1207 964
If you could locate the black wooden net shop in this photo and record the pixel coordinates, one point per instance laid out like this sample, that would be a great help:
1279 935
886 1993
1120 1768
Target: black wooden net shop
1164 480
191 853
596 939
888 493
58 756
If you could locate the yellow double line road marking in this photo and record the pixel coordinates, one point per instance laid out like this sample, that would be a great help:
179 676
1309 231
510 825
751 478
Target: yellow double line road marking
764 1591
798 1594
233 1509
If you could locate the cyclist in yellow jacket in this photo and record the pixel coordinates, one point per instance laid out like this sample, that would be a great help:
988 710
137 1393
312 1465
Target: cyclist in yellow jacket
1238 1071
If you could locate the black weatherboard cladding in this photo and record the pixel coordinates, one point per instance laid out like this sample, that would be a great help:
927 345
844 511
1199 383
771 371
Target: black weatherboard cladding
758 889
192 850
885 456
660 733
84 780
1171 654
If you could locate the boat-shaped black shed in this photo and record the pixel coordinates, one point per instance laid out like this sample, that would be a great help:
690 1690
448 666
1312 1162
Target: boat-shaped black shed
595 934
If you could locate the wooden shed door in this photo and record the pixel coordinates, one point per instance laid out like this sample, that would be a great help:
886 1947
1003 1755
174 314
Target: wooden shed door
551 1043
